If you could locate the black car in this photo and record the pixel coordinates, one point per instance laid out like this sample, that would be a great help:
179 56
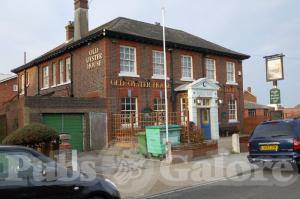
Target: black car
25 173
276 142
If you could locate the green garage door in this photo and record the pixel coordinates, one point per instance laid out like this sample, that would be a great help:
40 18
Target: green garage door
67 123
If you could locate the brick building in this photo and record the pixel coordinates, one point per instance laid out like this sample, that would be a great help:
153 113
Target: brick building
118 68
254 113
8 91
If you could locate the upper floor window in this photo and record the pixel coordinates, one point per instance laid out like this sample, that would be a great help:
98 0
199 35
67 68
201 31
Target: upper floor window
232 110
187 67
230 72
158 63
68 70
53 74
61 72
22 85
211 69
46 77
127 61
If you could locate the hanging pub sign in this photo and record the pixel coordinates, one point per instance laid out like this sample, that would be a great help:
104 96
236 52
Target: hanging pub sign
274 67
275 96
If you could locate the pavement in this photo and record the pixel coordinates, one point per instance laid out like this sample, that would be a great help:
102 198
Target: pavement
137 177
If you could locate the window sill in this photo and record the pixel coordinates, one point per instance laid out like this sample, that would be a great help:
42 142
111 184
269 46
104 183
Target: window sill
232 83
186 79
233 121
128 75
159 77
61 84
44 88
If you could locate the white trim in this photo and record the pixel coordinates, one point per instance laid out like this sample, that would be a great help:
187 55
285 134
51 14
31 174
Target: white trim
135 62
232 83
233 70
215 69
186 79
233 121
159 77
45 88
126 74
64 83
192 69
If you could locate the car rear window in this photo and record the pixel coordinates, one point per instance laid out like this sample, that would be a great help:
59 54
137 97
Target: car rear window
285 128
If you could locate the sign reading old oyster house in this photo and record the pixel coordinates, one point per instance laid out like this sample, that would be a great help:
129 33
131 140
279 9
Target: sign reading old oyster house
138 84
94 58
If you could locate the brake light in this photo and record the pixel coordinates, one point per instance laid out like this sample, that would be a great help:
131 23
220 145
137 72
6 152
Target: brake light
296 144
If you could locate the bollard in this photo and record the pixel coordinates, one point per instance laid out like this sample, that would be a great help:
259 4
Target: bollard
236 143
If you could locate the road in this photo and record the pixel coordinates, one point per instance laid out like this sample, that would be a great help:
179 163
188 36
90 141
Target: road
261 184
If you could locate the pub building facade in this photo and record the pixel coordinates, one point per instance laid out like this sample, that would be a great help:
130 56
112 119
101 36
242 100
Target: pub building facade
118 68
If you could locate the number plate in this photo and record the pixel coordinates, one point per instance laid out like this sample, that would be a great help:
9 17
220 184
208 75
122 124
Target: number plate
269 148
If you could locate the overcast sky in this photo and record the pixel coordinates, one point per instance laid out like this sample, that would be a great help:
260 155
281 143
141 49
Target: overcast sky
254 27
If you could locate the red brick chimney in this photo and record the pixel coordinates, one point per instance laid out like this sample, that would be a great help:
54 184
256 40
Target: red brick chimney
70 31
81 22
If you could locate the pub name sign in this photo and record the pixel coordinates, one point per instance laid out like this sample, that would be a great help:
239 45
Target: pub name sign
138 84
94 58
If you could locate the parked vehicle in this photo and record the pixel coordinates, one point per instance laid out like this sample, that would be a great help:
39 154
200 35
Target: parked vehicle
276 141
25 173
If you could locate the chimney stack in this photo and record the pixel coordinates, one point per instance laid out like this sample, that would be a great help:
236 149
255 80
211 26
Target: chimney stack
81 22
249 89
70 31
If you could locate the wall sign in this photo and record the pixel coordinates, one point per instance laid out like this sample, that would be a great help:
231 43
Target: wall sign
138 84
94 58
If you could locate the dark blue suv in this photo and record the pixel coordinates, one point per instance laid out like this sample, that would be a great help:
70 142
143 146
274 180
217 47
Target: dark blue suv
276 141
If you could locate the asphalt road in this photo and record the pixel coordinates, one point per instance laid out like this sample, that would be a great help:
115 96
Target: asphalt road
263 184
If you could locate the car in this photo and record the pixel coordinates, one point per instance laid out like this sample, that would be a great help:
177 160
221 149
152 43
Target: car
26 173
274 142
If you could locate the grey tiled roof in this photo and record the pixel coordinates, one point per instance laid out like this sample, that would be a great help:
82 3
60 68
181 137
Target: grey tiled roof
252 105
143 30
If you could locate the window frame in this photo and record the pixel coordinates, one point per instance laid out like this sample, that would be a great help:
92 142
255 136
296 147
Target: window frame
159 102
127 73
233 81
154 65
62 72
22 84
183 78
215 69
125 112
68 63
46 78
54 76
231 110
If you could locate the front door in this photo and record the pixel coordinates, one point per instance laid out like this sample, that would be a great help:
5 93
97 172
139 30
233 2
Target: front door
204 117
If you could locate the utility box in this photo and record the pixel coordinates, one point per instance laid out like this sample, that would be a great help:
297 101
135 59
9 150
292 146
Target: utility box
142 143
156 138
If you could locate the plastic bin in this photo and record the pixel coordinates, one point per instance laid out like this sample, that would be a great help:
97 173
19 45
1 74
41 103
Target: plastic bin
156 138
142 143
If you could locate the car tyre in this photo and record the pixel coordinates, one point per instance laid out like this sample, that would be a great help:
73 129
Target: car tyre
97 197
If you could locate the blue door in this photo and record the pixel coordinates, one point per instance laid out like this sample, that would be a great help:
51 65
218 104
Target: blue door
205 123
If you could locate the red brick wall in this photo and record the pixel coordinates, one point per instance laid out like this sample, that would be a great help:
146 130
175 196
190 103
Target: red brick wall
6 91
249 97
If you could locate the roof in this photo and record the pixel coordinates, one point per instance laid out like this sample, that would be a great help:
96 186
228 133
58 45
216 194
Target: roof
6 77
251 105
139 31
297 106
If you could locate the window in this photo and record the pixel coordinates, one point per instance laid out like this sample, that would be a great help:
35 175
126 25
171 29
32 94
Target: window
232 111
184 110
266 113
27 79
251 112
22 85
127 60
54 74
68 70
158 63
210 69
61 72
187 67
128 110
159 104
15 88
46 77
230 72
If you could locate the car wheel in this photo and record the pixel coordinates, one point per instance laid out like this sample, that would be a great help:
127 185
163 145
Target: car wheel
297 168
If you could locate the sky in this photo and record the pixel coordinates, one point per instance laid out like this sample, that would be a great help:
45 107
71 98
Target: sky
257 28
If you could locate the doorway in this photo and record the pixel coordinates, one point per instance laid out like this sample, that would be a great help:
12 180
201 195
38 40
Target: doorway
203 115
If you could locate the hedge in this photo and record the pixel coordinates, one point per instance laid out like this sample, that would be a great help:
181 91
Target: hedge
31 135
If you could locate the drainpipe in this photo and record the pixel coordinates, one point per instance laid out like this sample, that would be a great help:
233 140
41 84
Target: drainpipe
38 80
173 93
72 76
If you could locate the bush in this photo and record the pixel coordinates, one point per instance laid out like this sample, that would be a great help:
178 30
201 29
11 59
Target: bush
31 135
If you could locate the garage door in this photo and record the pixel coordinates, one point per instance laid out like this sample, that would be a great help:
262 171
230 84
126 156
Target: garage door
67 123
